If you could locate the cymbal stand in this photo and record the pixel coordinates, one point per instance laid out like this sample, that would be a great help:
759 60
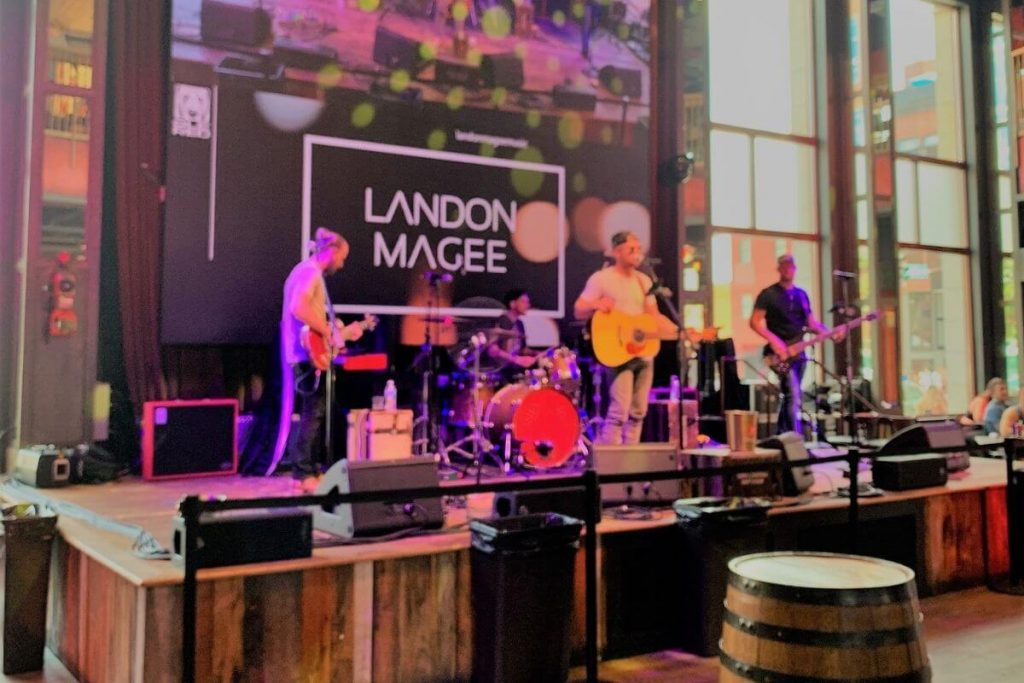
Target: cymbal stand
481 445
428 440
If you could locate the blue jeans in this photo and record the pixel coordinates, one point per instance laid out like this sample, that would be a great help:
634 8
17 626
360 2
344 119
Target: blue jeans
791 398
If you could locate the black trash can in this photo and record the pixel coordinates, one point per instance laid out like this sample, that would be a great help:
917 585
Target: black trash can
27 539
712 531
522 581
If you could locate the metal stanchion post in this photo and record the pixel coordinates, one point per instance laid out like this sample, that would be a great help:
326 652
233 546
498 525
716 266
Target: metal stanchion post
854 462
593 505
189 509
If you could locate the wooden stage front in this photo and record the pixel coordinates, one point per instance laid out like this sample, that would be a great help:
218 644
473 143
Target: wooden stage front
401 610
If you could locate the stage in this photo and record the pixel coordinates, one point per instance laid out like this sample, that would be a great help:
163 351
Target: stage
401 610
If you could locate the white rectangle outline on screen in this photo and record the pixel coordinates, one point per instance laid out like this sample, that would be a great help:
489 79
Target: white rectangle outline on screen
309 141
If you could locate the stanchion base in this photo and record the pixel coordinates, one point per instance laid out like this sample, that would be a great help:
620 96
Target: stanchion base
1004 584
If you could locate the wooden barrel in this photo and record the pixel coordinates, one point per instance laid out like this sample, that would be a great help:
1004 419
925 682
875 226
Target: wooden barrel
821 617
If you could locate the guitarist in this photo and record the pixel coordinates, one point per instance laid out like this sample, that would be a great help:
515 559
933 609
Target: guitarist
306 303
782 314
622 287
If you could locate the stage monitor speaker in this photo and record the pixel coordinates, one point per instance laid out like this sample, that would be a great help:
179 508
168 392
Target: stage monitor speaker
639 459
452 72
225 22
622 82
396 51
905 472
569 97
503 70
375 519
189 438
926 434
247 536
795 480
42 466
304 56
568 501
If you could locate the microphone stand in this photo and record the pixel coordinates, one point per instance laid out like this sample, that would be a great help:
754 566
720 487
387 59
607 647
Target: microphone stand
848 395
682 357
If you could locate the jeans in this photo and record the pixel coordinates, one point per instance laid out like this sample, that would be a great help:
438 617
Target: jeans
791 398
309 398
628 395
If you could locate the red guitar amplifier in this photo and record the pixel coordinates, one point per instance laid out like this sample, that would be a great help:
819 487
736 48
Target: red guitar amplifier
189 438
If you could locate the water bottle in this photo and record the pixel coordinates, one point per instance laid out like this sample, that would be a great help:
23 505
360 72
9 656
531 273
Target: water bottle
390 395
673 388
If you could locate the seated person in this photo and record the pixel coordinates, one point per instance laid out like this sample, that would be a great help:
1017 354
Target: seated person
998 403
1010 416
512 350
976 409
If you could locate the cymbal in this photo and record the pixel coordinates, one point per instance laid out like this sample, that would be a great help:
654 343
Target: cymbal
445 319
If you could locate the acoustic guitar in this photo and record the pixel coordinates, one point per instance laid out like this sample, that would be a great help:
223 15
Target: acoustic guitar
321 348
781 365
619 337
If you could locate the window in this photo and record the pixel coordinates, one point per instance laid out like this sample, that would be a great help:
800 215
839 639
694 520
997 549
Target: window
926 84
936 353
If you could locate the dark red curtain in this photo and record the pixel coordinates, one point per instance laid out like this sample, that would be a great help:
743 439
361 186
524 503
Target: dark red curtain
136 84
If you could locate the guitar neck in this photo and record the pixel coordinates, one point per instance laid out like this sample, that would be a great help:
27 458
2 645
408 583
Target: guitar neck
799 347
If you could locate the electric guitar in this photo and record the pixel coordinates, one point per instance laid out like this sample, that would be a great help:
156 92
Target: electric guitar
619 337
322 349
781 365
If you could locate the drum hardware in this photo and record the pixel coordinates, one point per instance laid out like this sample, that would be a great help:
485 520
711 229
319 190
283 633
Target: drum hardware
477 438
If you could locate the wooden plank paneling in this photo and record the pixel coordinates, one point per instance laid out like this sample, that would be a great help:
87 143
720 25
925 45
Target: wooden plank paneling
107 623
953 541
996 531
64 610
415 619
162 658
464 612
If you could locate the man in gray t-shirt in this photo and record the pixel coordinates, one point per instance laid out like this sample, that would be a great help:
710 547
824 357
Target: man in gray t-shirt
622 287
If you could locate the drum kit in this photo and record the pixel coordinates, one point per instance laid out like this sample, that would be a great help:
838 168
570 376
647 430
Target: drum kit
532 418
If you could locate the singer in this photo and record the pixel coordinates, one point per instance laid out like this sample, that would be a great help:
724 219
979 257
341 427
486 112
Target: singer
622 287
782 314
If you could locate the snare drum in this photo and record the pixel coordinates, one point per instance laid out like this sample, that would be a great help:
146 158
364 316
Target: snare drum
461 412
543 421
561 368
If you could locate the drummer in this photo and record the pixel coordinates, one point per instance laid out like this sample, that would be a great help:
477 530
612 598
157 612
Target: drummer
511 350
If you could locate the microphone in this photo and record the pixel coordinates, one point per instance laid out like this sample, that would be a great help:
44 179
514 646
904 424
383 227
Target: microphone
844 275
433 277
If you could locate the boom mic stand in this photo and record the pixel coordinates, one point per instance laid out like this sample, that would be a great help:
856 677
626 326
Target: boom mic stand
849 396
663 295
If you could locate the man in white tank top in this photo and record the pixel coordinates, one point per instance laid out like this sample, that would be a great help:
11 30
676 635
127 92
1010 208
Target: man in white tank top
622 287
306 303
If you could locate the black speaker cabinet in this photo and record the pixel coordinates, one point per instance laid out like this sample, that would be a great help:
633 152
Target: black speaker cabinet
569 501
622 82
395 51
189 438
247 536
224 22
503 70
795 480
640 459
375 519
579 99
457 73
927 434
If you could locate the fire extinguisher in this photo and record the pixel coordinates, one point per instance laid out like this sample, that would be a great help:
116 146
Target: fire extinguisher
63 285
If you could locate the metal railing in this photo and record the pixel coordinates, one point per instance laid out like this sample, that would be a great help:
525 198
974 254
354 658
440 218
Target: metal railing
191 507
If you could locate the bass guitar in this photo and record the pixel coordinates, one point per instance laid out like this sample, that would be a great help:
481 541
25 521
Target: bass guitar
619 337
781 365
322 349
